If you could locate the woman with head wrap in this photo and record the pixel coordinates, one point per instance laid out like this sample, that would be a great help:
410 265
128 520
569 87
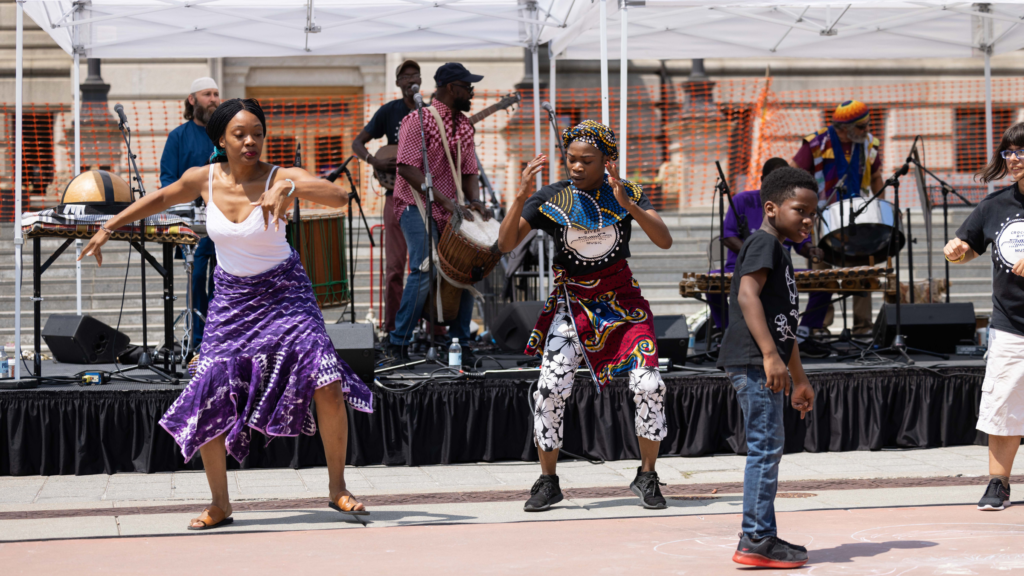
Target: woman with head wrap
265 354
595 315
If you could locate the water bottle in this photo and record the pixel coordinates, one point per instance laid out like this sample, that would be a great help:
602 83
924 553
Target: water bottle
5 364
455 355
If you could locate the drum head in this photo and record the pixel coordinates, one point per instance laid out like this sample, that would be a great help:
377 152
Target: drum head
860 242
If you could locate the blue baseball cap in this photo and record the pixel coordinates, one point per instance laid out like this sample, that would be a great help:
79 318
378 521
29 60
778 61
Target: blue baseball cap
454 72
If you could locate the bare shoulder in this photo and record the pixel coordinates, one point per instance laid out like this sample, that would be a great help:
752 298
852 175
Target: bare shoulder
196 176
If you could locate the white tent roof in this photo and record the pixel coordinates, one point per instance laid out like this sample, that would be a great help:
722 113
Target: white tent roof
221 28
661 29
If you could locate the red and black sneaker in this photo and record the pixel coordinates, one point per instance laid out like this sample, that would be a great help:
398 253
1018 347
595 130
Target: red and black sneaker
769 552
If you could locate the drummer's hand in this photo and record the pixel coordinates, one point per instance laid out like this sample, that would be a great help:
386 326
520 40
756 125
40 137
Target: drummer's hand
527 184
815 254
617 186
479 207
274 202
452 208
93 247
955 250
1018 268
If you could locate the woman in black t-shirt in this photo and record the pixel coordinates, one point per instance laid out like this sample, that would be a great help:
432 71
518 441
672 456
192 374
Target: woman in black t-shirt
999 220
595 314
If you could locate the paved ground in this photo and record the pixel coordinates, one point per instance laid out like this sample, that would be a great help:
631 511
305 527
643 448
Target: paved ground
889 512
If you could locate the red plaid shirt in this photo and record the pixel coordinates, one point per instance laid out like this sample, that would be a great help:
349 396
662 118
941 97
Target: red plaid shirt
409 153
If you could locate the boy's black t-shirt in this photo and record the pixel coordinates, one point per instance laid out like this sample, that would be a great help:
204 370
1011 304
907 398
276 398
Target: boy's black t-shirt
778 297
582 251
386 121
999 220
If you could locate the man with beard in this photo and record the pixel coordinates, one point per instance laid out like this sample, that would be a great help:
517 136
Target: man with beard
454 92
385 123
188 146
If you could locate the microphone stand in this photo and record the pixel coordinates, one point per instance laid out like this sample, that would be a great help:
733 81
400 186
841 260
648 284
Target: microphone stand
561 148
352 195
899 344
722 190
145 359
946 191
427 188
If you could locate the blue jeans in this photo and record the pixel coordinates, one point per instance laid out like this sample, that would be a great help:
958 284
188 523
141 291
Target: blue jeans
202 285
762 420
417 285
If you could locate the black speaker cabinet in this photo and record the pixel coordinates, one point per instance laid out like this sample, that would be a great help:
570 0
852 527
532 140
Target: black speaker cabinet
932 327
75 339
354 343
511 329
673 338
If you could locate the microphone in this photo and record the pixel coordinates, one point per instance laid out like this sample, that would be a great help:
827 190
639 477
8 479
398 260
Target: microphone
120 114
339 170
416 97
547 106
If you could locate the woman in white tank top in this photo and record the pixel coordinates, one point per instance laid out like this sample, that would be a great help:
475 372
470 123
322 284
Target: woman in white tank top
265 353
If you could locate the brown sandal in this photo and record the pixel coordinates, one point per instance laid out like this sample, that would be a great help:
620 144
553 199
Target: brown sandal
346 505
212 517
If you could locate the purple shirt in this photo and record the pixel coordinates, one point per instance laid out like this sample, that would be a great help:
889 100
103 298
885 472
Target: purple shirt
749 204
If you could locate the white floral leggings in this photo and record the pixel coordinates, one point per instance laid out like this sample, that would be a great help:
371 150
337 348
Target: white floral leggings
562 356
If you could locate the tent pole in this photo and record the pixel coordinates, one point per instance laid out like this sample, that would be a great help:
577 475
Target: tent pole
552 135
623 93
988 109
535 66
605 117
19 49
76 170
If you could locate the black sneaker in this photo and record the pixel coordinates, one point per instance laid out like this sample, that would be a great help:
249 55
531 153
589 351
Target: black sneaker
544 493
397 352
647 487
769 552
812 349
997 497
468 358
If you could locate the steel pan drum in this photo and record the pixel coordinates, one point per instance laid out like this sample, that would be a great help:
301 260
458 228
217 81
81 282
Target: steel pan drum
868 235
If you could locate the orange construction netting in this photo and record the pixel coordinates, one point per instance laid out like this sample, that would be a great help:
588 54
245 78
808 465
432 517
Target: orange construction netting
676 133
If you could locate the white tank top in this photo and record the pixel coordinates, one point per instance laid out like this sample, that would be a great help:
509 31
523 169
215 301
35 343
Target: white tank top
245 248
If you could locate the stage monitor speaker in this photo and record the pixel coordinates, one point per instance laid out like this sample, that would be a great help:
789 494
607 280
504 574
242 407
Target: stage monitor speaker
75 339
932 327
354 343
673 338
511 329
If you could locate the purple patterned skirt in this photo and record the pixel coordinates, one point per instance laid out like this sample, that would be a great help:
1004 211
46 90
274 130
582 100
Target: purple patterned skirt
265 350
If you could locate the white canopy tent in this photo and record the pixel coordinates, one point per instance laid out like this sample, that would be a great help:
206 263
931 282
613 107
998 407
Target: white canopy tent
854 29
156 29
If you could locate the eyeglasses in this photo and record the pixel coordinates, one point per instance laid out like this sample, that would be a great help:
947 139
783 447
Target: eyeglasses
1018 154
466 87
409 77
861 125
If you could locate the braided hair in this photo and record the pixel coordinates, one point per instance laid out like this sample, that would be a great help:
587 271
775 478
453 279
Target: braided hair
218 123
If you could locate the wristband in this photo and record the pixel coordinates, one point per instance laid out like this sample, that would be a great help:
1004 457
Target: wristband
104 228
290 181
368 156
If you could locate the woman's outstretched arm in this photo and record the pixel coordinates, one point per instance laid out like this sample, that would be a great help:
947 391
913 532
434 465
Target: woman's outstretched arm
187 189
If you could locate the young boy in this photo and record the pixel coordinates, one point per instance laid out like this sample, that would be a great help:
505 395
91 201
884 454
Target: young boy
758 346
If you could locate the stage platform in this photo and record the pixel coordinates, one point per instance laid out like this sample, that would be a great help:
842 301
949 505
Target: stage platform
62 428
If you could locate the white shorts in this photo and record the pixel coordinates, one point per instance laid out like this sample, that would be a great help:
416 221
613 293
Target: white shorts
1002 393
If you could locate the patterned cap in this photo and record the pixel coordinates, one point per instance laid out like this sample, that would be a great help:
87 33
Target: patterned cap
849 112
594 133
